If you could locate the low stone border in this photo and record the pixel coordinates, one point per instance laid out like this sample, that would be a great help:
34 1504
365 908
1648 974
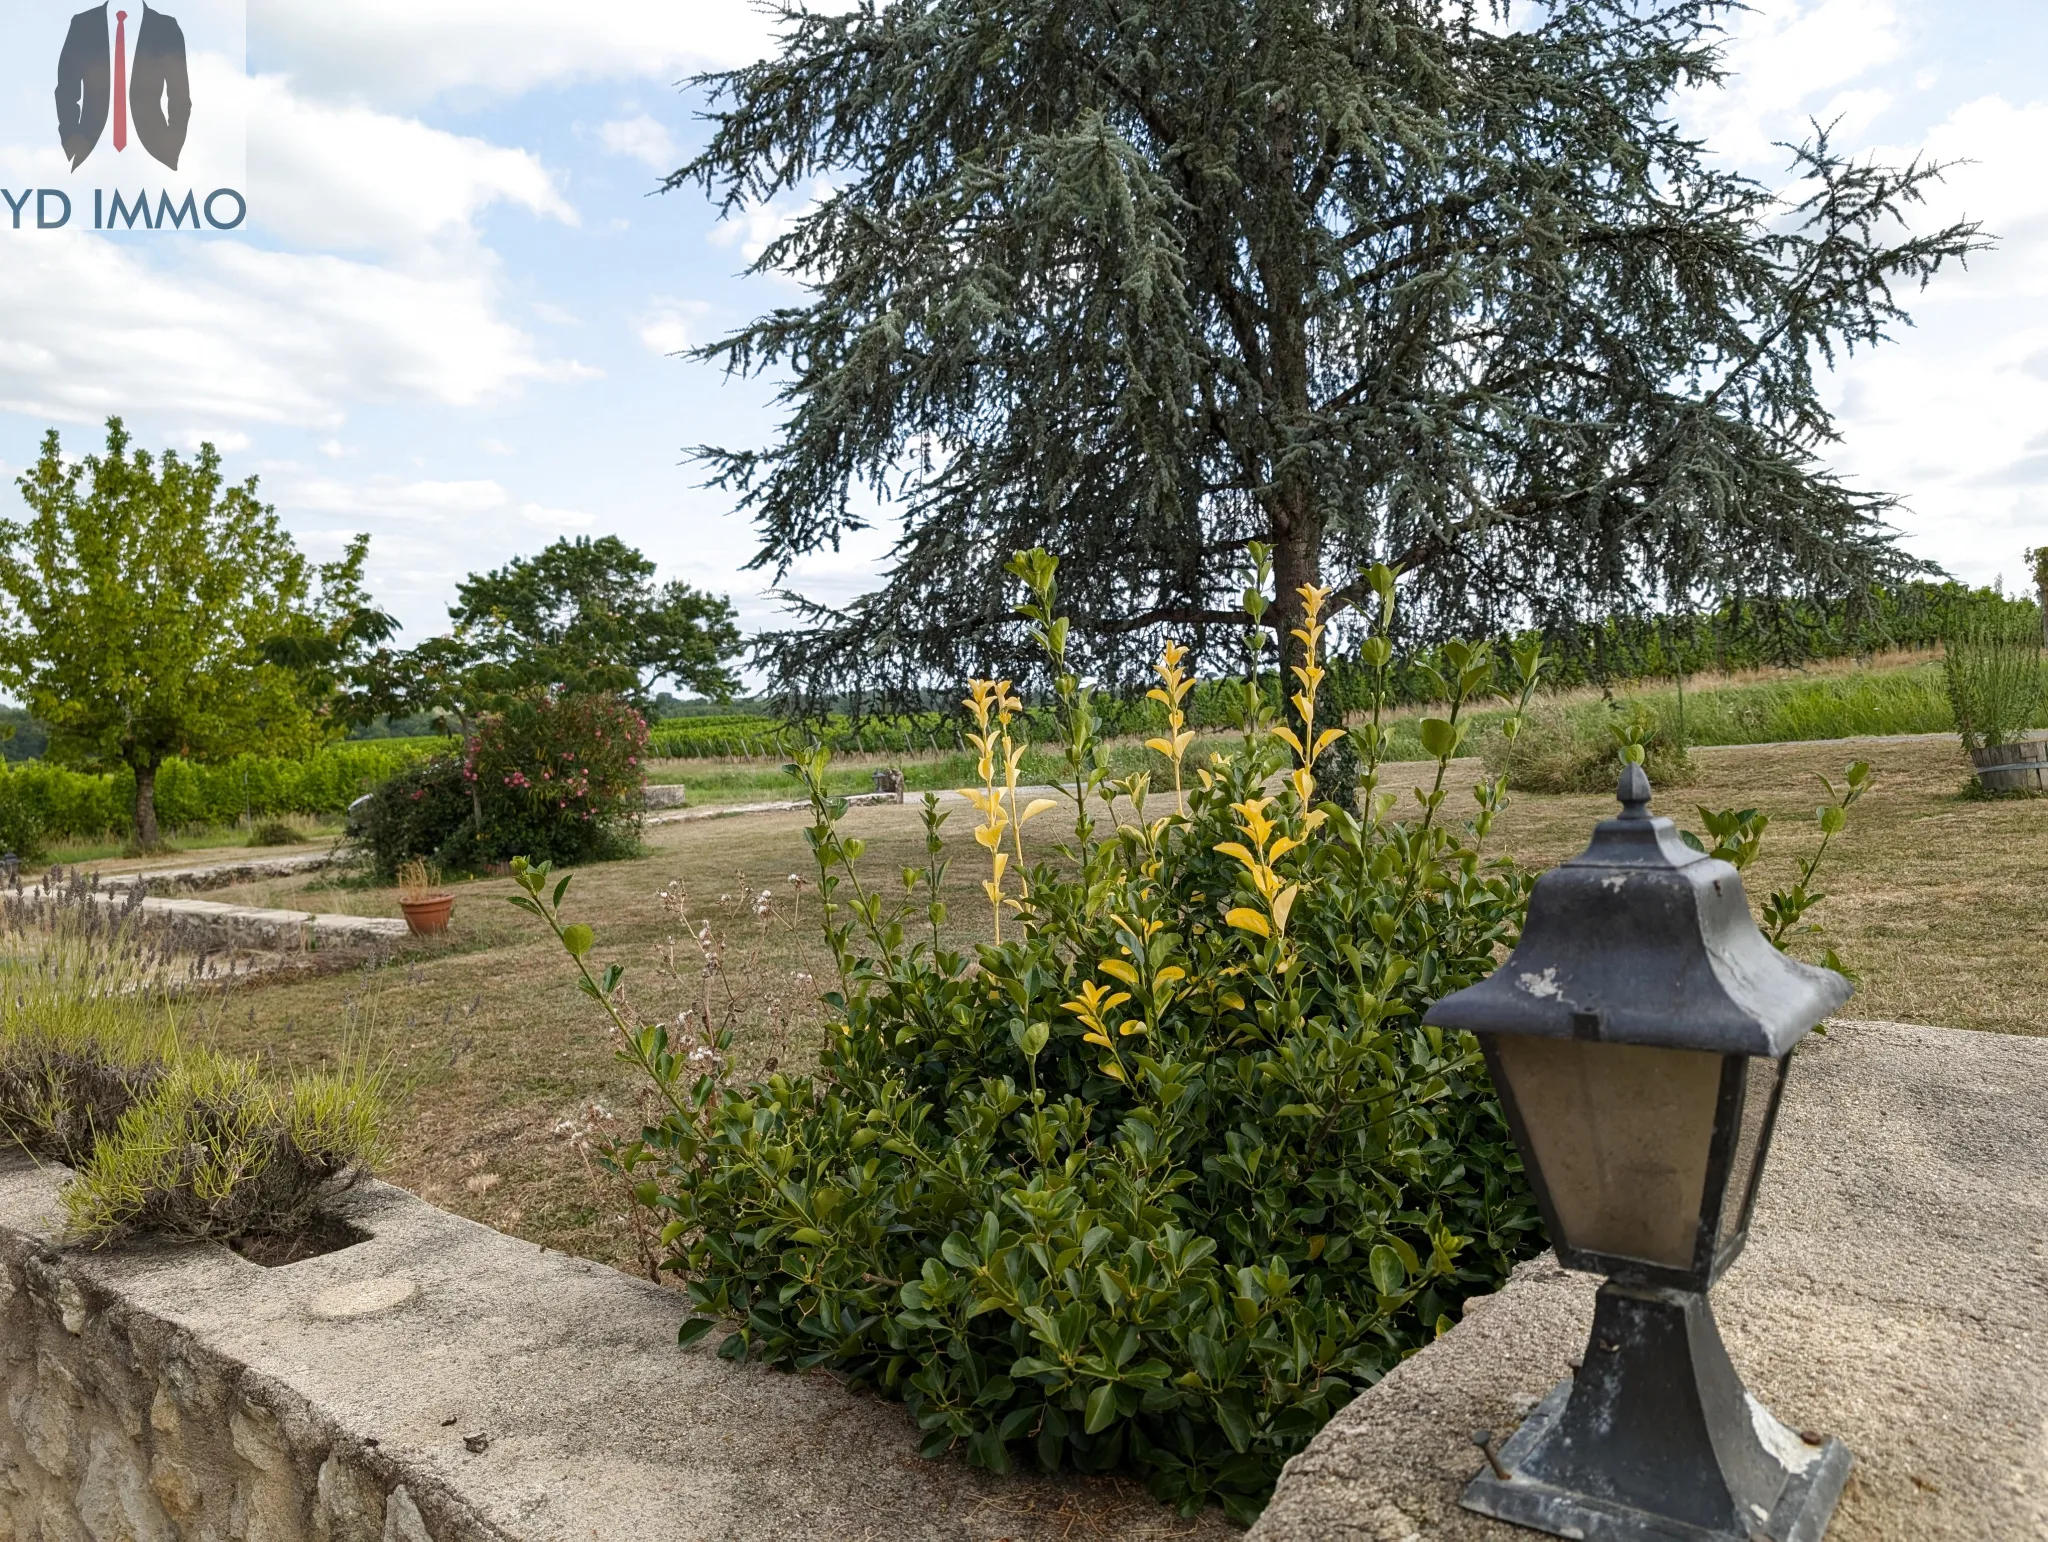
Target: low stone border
219 875
1894 1293
442 1382
245 926
781 806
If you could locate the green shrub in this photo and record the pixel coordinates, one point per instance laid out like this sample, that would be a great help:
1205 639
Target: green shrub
21 826
555 777
81 805
273 832
1556 752
1996 687
1167 1169
81 1041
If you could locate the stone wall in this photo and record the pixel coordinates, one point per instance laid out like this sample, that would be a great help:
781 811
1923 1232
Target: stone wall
119 1427
443 1382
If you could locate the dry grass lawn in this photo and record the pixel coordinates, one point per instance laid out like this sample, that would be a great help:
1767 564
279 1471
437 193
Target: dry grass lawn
1936 901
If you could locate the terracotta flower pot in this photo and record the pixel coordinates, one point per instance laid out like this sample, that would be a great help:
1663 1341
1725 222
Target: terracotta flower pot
427 917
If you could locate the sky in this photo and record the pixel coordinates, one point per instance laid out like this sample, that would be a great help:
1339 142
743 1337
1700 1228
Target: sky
451 316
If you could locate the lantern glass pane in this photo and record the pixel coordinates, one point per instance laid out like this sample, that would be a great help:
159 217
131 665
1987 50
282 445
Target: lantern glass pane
1622 1134
1760 1091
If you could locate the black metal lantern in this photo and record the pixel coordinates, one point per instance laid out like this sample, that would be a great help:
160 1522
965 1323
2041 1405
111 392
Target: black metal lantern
1639 1037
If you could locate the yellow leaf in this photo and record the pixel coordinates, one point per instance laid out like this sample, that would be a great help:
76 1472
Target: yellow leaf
1155 694
1181 741
1234 849
1096 1038
1169 974
993 890
1002 860
1162 746
1328 737
1034 808
1135 1025
1121 970
1286 736
1111 1068
1281 847
1282 903
1313 819
1116 1000
1232 1000
1246 919
990 835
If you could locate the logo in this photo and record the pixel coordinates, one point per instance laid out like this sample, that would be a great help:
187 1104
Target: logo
152 115
149 89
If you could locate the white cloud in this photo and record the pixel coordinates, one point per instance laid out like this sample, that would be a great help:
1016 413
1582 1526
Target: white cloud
1789 61
403 51
421 504
221 331
672 325
1954 415
190 439
643 139
348 178
555 521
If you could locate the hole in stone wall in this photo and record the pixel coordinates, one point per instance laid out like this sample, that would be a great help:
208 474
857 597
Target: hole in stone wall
326 1234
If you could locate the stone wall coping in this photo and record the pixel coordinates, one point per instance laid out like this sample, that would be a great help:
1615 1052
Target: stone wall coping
1894 1293
507 1392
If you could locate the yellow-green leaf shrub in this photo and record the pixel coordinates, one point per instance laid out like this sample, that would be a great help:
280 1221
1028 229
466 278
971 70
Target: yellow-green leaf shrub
1167 1175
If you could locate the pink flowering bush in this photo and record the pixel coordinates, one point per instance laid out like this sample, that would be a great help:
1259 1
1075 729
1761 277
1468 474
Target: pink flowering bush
555 776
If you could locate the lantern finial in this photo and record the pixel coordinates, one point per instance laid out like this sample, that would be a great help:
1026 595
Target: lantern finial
1634 791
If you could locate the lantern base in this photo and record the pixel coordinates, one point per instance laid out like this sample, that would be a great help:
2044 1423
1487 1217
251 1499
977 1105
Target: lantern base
1655 1439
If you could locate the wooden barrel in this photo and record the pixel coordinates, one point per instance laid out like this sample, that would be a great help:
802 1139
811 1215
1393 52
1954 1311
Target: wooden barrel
2018 767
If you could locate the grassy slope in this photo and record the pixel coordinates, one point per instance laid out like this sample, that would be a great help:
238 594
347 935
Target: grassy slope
1936 900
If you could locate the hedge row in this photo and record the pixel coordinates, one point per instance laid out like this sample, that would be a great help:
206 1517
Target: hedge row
82 805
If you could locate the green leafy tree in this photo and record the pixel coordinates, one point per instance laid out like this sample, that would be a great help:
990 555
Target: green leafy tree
587 615
1385 281
139 595
332 643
